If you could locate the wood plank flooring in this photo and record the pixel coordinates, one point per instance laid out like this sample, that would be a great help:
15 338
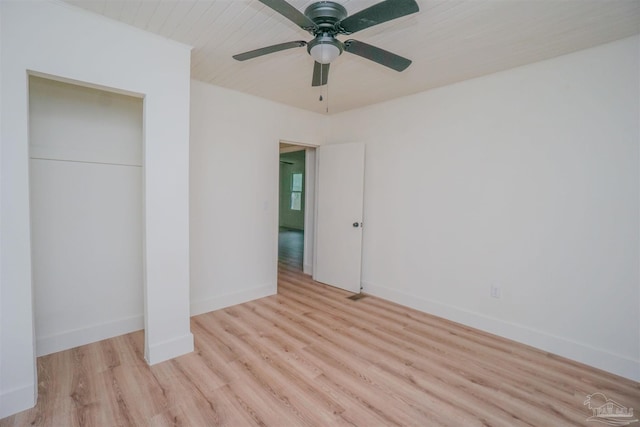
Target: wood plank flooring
310 356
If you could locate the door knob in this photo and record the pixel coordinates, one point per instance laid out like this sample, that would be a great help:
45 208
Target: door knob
356 224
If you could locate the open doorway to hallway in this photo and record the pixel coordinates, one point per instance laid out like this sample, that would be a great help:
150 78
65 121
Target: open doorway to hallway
291 206
296 207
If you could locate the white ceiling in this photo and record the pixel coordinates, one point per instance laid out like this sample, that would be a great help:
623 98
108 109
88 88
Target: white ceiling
448 41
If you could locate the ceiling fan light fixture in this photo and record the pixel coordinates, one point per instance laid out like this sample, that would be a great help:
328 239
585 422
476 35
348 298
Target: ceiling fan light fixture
324 49
324 53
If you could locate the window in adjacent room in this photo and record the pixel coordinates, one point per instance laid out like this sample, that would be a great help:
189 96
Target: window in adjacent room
296 191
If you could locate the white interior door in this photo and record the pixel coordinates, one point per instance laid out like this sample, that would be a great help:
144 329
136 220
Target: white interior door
340 193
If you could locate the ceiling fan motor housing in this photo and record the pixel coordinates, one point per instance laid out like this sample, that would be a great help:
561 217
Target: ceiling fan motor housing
324 48
325 14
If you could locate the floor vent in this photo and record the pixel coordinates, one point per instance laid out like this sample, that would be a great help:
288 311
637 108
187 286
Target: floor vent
356 297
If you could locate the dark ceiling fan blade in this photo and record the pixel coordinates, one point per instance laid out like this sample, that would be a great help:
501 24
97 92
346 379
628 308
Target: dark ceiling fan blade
377 14
320 74
376 54
291 13
269 49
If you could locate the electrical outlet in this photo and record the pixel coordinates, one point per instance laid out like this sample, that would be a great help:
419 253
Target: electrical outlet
495 291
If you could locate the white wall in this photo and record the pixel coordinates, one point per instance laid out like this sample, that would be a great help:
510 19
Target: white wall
234 192
60 40
85 147
525 179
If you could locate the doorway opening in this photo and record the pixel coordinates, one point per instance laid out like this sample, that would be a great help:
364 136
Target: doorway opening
296 207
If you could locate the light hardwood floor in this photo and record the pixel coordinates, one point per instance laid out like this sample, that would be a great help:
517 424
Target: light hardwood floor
311 356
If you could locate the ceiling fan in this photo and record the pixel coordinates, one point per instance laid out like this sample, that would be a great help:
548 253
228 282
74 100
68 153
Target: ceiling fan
325 20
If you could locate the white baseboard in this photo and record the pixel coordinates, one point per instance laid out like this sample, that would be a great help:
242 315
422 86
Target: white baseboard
17 399
227 300
86 335
162 351
307 269
582 353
